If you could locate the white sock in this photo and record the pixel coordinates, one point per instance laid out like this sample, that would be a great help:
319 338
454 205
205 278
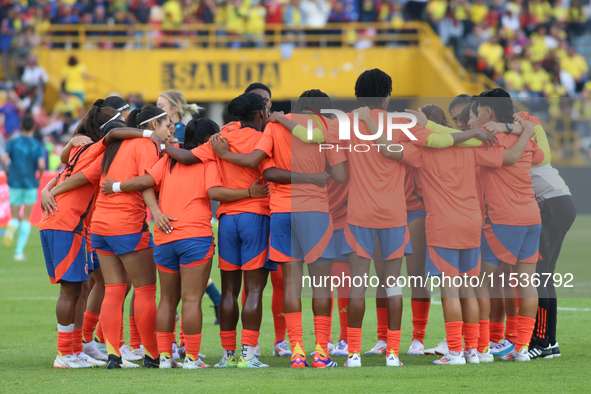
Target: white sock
248 352
229 353
69 328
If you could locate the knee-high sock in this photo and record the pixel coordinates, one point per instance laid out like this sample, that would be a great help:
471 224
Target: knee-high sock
393 342
134 335
354 338
420 317
552 320
277 305
121 336
525 327
193 346
382 324
511 328
165 340
110 316
89 325
100 335
294 331
322 331
23 237
182 334
228 340
145 318
471 332
65 339
213 293
453 331
497 331
77 344
484 336
343 305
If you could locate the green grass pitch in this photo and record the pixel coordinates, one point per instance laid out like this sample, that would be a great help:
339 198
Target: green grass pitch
28 341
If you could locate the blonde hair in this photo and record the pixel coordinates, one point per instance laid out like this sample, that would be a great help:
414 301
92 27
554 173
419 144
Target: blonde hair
177 99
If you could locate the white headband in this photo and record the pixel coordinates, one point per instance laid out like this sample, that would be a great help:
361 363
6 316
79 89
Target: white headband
124 107
110 120
151 119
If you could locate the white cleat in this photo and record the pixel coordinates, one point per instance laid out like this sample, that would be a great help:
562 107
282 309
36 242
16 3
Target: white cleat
127 354
342 349
330 347
393 361
91 350
71 361
416 348
90 360
175 351
354 360
379 348
514 355
441 349
486 357
252 363
471 356
139 352
194 364
19 257
451 358
101 347
281 349
503 348
168 363
257 350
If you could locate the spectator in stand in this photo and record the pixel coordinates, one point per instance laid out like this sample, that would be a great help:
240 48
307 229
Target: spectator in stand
206 15
414 9
99 17
315 12
576 19
74 77
35 77
122 19
451 30
235 11
337 15
27 43
576 66
513 80
173 17
8 30
537 79
368 12
471 45
66 115
490 57
141 10
437 10
255 24
274 12
10 114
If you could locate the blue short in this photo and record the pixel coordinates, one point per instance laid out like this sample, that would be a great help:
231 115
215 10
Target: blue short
510 244
244 242
116 245
394 242
18 197
65 255
186 253
301 236
414 215
452 262
93 262
338 239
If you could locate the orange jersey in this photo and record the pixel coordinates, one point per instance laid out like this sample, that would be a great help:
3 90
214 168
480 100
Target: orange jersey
123 213
508 192
480 193
241 140
454 218
74 206
183 196
337 201
278 143
413 190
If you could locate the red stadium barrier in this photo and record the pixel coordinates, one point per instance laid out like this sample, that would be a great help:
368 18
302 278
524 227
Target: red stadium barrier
5 207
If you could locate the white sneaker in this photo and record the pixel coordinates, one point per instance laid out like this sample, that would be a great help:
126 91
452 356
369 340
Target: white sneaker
416 348
257 350
486 357
379 348
127 354
139 352
514 355
503 348
194 364
354 360
232 362
451 358
19 257
330 347
71 361
281 349
471 356
492 344
252 363
175 351
91 350
393 361
342 349
441 349
90 360
168 363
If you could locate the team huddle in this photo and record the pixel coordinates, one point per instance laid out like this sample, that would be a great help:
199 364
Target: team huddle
467 201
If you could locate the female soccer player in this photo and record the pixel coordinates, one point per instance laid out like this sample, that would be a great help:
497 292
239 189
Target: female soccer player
62 231
177 109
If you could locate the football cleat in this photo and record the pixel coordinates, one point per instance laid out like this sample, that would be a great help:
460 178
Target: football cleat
139 352
71 361
168 363
515 355
321 360
149 362
227 363
116 362
281 349
555 350
440 350
90 360
451 358
342 349
537 351
471 356
503 348
486 357
379 348
91 349
416 348
194 364
127 354
354 360
298 361
393 361
252 363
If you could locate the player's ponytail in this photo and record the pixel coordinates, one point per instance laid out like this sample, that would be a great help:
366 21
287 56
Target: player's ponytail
435 113
198 132
178 100
141 118
95 120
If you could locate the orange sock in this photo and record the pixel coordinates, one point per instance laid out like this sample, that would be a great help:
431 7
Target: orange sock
393 342
382 324
228 340
322 330
331 313
165 340
342 270
99 332
277 304
293 321
484 336
497 330
420 317
90 321
525 327
193 346
249 337
77 341
110 316
145 317
121 337
453 331
181 334
134 335
354 337
511 328
471 333
343 305
65 340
